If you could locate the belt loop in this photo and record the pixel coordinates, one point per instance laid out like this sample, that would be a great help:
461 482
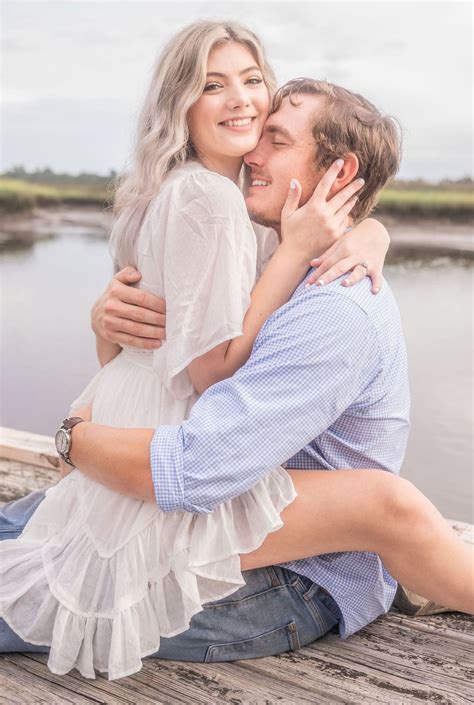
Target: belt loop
273 577
311 592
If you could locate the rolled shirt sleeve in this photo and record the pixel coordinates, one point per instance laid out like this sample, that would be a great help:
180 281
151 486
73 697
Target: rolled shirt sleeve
311 360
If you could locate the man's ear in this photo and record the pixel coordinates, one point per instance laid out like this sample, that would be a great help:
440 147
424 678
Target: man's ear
347 173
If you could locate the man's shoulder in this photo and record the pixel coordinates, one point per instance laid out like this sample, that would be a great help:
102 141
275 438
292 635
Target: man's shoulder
361 294
314 312
346 298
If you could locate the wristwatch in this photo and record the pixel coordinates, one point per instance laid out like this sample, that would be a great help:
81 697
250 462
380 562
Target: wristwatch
63 438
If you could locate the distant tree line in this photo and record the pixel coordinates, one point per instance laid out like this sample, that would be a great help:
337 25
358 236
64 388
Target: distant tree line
48 176
465 183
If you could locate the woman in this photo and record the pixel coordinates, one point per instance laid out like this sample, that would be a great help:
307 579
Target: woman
107 574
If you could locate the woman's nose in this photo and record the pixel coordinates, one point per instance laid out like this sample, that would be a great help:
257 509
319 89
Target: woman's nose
238 97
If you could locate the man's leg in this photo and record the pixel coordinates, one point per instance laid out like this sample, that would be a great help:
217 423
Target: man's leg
13 518
276 611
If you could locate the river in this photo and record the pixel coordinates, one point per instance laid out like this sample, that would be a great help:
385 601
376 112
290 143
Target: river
48 354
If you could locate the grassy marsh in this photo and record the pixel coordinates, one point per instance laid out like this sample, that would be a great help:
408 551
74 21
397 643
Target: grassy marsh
454 200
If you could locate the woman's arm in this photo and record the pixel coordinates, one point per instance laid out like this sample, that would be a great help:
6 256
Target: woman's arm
284 272
282 275
368 242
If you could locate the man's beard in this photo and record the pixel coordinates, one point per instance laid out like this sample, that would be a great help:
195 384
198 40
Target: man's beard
261 219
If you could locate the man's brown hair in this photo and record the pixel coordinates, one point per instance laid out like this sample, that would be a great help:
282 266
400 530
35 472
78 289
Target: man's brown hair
350 123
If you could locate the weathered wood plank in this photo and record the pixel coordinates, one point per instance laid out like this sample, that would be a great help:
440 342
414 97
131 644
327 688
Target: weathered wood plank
333 675
219 683
28 448
465 531
455 626
432 665
99 690
177 682
19 687
17 479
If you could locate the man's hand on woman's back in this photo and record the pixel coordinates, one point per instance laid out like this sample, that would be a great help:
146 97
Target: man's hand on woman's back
129 316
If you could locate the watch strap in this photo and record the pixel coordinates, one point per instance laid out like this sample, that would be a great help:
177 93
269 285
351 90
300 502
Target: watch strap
70 422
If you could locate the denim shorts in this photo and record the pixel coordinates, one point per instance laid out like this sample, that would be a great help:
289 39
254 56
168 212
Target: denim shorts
276 610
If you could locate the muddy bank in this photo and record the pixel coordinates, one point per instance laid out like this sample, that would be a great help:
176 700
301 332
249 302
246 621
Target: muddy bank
408 236
42 223
425 236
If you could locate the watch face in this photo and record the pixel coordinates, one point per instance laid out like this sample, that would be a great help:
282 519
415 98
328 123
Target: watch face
62 441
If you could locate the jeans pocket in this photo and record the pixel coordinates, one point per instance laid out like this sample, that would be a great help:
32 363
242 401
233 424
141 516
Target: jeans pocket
270 643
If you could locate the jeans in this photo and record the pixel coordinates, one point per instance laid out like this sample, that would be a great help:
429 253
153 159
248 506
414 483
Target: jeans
276 610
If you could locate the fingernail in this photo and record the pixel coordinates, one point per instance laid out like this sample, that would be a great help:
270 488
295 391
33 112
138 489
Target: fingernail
157 344
375 290
339 162
307 285
315 262
293 184
361 181
320 282
346 282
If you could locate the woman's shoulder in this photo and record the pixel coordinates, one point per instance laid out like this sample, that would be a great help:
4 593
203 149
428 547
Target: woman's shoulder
193 183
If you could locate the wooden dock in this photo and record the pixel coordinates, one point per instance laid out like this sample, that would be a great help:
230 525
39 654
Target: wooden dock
395 660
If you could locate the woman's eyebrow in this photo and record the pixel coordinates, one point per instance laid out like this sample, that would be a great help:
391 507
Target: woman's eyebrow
223 75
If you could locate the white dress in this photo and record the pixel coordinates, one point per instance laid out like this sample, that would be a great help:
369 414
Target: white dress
100 576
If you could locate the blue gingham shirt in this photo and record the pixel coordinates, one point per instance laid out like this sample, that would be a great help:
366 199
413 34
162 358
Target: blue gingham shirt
325 388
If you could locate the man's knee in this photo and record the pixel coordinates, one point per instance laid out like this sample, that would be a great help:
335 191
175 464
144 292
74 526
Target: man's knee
406 508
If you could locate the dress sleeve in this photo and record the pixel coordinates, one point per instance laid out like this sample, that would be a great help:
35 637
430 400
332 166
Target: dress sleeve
209 264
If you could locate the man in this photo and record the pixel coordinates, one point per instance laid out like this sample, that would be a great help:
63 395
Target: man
325 388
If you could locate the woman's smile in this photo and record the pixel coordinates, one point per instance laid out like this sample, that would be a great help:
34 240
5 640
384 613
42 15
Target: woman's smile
239 124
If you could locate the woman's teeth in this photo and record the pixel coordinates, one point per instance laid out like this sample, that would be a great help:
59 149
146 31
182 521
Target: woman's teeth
237 123
259 182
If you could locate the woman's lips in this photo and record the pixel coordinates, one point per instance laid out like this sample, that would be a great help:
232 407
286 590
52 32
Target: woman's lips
238 125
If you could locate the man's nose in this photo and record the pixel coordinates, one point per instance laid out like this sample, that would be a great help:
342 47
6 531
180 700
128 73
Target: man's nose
255 157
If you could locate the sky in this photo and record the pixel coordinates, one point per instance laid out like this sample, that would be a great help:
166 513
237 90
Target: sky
74 73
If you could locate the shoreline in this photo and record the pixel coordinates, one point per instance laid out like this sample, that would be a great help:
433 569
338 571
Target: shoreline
408 234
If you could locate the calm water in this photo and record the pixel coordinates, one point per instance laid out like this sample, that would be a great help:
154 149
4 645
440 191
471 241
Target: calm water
48 355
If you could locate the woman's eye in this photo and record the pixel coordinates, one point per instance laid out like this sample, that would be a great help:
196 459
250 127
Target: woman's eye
212 86
255 81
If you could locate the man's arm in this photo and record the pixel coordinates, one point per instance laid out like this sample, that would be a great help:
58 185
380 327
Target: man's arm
311 360
118 458
124 315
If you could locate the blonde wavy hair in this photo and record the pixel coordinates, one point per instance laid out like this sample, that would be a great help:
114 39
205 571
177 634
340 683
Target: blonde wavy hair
162 141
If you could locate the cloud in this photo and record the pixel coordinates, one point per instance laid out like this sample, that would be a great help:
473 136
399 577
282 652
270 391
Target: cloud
411 59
